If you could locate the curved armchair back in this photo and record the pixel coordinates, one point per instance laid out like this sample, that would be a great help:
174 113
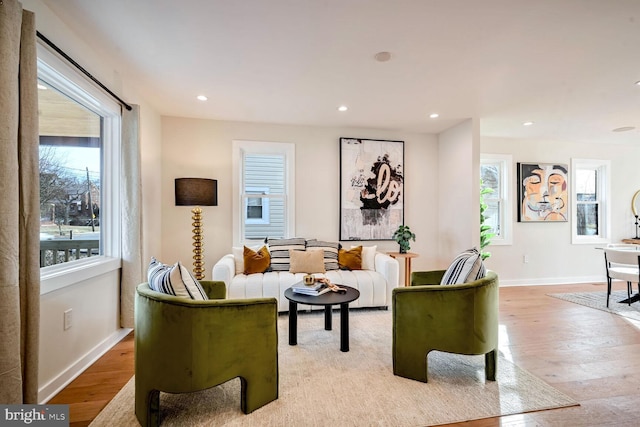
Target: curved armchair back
184 345
459 319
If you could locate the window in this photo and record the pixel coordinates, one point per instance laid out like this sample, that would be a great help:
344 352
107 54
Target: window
257 211
590 211
496 173
263 190
79 168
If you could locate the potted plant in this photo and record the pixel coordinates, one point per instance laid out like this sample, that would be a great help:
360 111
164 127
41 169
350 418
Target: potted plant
403 235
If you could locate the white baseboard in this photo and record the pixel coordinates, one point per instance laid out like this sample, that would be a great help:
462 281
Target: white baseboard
553 281
46 392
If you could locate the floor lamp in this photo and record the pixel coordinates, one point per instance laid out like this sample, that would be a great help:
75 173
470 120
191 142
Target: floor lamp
197 192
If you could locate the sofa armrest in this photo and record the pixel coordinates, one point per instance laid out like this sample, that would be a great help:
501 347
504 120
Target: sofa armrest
224 269
389 268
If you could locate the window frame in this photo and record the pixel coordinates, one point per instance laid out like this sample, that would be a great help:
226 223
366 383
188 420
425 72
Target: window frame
603 167
505 164
59 74
239 149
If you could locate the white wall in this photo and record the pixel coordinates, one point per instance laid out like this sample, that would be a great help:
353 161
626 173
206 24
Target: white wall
459 186
552 257
94 329
202 148
95 302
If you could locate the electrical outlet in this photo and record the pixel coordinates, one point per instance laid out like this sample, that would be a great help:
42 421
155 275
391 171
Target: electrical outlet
68 317
525 259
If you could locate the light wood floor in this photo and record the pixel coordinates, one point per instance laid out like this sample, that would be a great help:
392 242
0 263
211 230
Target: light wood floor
591 355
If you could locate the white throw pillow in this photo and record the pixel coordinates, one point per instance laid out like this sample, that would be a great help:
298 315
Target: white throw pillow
174 280
368 257
467 267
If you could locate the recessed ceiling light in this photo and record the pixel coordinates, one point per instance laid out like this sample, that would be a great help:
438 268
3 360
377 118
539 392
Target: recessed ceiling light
623 129
202 97
638 83
434 115
527 123
382 56
343 108
42 87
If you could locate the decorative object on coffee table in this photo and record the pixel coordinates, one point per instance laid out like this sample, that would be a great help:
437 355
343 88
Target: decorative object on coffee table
402 236
197 192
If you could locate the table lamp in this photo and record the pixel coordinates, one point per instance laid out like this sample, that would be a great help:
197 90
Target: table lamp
197 192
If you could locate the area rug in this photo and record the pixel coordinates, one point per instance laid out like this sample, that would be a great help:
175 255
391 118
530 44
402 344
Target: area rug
322 386
598 300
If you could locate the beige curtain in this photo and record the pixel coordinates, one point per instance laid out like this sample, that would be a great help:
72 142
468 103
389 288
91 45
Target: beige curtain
19 208
131 196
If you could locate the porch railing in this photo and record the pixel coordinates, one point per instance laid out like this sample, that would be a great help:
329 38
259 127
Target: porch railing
59 251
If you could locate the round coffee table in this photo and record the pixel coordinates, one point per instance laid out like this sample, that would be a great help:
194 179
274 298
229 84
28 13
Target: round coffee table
327 300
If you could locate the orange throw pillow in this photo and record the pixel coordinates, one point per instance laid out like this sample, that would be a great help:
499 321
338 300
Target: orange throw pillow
350 259
256 262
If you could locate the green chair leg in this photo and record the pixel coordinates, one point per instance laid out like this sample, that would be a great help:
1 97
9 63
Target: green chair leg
147 404
491 365
257 392
412 365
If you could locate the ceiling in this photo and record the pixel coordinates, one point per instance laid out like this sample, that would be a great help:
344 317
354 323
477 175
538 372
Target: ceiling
569 66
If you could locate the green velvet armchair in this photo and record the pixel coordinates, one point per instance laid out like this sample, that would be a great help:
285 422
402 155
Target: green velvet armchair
184 345
460 319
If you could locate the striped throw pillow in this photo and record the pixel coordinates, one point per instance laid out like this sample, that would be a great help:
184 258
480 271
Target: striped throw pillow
279 249
467 267
330 250
174 280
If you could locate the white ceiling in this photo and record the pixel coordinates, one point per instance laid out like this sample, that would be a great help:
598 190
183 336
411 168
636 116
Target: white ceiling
568 65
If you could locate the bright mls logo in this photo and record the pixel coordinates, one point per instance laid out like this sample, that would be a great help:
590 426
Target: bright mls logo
37 415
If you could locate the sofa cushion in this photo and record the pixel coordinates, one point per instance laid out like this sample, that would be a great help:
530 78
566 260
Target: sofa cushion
256 261
368 257
174 280
466 267
330 252
311 261
279 249
350 259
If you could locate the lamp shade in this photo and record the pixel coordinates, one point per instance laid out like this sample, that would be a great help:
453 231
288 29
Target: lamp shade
196 192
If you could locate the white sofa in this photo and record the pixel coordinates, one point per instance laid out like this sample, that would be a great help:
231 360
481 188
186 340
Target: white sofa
375 286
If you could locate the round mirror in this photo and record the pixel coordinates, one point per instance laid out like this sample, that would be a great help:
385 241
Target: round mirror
634 208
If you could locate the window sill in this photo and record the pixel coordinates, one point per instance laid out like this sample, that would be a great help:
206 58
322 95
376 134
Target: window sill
63 275
589 240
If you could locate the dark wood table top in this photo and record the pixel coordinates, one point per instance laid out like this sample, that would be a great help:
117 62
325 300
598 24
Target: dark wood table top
329 298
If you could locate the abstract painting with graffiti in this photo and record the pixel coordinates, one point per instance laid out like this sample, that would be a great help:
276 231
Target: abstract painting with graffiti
371 188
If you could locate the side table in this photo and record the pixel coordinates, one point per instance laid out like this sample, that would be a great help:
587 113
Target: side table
407 264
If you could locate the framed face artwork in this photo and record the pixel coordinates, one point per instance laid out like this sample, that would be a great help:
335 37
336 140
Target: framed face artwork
371 188
543 192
